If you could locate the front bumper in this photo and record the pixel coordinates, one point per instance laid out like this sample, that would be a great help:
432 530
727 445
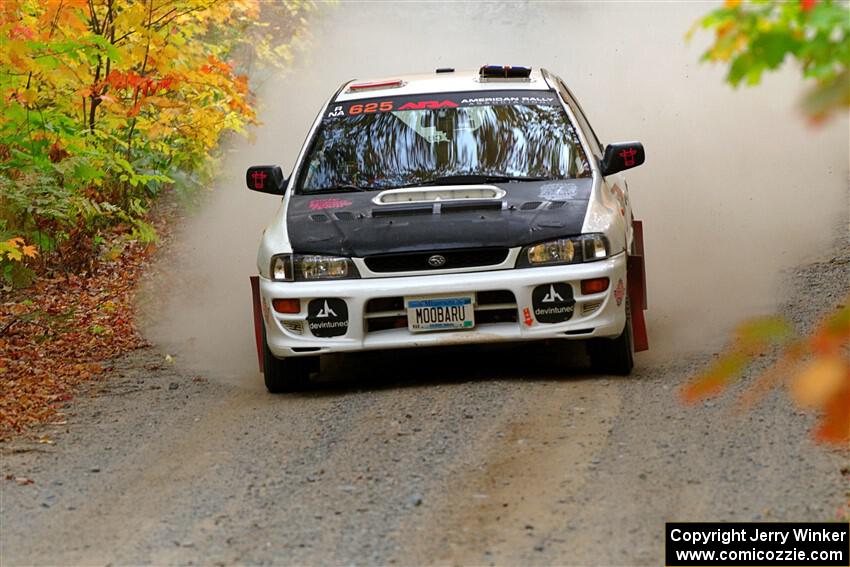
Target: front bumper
594 315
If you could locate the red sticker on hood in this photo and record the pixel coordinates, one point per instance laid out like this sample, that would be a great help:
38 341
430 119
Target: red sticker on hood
319 204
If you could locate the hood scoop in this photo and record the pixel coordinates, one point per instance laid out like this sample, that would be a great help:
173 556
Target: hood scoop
410 195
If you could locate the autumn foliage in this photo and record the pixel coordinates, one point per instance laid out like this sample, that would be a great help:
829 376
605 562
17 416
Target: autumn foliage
815 369
762 35
105 107
105 104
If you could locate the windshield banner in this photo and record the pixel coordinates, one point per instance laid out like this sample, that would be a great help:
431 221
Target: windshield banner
437 101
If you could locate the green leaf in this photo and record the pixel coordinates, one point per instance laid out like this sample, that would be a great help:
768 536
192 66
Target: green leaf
110 50
85 172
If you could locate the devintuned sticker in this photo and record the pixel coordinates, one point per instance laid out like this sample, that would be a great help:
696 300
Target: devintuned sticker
553 303
327 317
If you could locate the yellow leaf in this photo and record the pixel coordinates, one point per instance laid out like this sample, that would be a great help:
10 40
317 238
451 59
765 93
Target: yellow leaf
27 96
29 251
819 381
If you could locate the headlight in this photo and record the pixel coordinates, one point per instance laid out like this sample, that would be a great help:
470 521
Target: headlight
572 250
311 267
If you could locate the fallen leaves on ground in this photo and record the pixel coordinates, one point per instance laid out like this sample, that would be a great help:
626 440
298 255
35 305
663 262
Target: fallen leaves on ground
57 334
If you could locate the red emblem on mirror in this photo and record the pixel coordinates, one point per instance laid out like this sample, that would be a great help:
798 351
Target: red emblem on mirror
628 156
258 177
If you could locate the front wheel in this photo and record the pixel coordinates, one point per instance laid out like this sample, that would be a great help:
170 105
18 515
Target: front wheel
286 374
617 355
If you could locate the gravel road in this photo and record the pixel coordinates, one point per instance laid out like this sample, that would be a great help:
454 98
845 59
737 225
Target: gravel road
499 460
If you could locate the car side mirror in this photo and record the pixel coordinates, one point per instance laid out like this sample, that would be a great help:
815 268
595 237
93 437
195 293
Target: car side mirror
622 156
266 179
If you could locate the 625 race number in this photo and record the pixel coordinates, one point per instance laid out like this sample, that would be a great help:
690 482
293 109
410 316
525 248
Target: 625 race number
370 107
387 105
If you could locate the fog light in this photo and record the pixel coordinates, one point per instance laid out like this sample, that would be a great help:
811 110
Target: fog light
596 285
287 305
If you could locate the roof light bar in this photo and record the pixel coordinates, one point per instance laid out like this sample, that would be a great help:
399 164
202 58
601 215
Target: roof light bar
445 69
504 72
357 87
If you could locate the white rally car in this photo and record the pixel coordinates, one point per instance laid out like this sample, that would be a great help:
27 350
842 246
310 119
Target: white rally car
453 208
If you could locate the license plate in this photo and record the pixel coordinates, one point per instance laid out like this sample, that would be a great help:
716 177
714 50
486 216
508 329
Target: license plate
439 313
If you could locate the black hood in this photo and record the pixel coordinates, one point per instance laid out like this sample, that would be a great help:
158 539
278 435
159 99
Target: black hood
350 224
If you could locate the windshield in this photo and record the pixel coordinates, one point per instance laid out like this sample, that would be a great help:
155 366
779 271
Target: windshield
382 143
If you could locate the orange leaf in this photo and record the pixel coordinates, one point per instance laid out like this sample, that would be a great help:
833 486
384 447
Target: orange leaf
718 376
819 381
135 110
21 32
834 425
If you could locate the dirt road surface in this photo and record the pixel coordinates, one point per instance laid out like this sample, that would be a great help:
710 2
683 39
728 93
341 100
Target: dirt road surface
504 455
496 461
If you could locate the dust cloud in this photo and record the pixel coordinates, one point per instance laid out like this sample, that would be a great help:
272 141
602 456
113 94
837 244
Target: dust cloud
736 187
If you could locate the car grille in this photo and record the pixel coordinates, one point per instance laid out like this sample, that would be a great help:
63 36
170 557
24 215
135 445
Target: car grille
418 261
496 306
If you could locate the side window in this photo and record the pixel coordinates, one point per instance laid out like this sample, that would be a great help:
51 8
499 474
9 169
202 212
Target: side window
593 139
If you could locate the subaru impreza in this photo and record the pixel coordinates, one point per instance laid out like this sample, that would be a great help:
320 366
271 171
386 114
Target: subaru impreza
449 208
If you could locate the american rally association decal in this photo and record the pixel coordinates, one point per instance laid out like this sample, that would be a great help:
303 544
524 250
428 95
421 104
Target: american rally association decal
619 292
436 102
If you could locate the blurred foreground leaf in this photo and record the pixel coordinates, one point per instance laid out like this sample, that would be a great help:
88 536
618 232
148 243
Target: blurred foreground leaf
816 369
752 38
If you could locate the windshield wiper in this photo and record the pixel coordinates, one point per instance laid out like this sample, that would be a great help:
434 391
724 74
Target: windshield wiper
477 178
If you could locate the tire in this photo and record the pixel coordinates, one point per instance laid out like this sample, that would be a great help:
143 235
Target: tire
286 374
614 356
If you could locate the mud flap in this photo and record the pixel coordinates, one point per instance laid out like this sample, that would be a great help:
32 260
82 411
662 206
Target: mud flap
258 319
636 275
